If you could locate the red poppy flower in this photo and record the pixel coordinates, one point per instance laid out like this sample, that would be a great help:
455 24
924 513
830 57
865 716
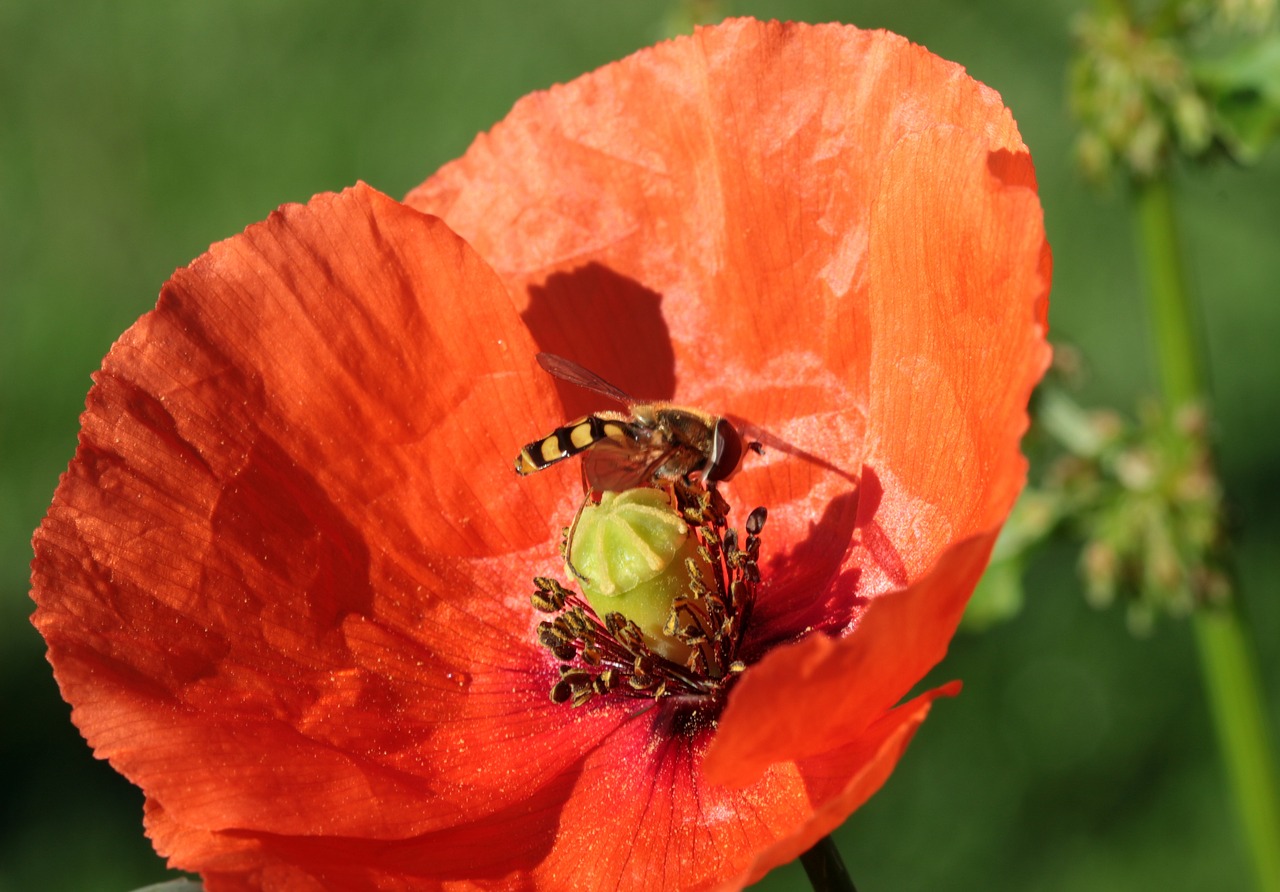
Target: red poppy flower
285 581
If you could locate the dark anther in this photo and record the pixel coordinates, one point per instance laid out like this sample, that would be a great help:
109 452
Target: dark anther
549 635
615 623
576 678
731 541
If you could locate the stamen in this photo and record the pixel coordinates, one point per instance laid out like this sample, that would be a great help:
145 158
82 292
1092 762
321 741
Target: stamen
610 656
550 596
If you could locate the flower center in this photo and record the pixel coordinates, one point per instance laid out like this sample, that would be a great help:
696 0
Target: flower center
667 592
633 554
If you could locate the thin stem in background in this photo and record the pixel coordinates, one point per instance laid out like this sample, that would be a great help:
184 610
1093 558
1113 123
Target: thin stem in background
1235 697
1228 663
825 868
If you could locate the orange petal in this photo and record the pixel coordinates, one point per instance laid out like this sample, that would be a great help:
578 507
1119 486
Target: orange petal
642 818
291 541
646 815
815 695
840 781
950 375
949 379
829 233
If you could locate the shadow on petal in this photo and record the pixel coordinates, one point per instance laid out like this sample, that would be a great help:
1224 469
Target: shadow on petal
273 518
609 324
815 586
874 539
1012 168
808 588
501 846
513 840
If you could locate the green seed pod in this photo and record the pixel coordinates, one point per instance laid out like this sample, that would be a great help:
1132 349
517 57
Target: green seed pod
630 554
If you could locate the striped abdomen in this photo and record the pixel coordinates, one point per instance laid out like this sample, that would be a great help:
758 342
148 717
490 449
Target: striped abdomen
569 440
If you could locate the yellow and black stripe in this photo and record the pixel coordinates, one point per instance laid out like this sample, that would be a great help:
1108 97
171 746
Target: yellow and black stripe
568 441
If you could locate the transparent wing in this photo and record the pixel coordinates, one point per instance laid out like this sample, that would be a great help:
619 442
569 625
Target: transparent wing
610 466
568 370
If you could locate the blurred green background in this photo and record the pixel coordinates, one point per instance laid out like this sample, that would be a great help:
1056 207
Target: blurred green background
134 133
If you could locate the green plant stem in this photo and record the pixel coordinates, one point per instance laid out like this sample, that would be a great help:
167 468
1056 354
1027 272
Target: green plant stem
1176 344
1231 677
825 868
1228 664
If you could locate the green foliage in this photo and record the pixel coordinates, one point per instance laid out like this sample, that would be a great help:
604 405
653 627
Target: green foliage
1243 86
999 595
1174 79
1142 499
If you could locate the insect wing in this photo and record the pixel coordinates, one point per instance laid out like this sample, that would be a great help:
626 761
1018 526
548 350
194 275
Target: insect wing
568 370
610 466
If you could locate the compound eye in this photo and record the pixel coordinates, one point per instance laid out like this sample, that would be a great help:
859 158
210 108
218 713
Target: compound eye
726 452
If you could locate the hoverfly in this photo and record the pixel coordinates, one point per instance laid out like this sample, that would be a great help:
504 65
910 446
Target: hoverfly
656 443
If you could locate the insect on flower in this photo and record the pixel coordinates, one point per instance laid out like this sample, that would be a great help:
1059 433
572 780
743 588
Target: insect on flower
683 452
656 443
